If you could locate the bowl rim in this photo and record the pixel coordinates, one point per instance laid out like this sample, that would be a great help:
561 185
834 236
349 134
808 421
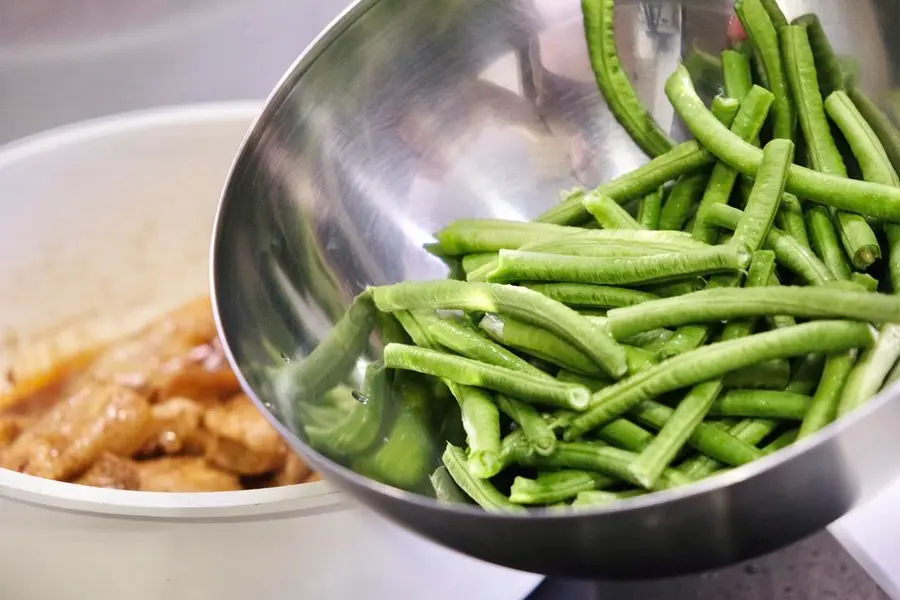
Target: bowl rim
155 505
727 479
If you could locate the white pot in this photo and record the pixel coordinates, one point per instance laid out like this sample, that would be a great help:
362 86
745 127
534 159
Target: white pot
103 224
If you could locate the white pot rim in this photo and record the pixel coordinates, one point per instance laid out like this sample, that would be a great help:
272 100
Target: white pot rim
272 503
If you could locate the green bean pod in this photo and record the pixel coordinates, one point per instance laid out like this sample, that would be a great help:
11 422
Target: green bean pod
596 498
613 82
481 422
764 37
736 74
609 213
649 210
828 68
765 198
478 374
523 304
476 260
580 295
824 407
480 490
536 430
878 201
790 219
824 241
761 404
715 360
750 431
769 375
445 489
782 441
881 124
549 488
871 371
515 265
684 196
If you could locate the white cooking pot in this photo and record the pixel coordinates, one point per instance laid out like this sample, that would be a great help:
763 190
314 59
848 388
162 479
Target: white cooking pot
103 224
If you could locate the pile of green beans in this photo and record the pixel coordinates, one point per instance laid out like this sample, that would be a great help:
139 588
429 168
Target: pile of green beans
707 309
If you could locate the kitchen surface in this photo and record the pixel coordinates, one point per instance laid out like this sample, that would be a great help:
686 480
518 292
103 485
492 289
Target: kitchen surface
64 62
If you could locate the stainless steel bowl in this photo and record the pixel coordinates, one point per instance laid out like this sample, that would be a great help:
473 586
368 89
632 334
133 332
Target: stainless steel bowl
405 115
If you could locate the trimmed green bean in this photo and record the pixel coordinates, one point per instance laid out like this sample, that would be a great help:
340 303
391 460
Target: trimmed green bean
775 14
782 441
580 295
515 265
596 498
480 490
649 209
684 196
864 143
824 407
871 371
549 488
716 360
537 431
538 342
828 68
866 198
708 439
788 251
771 375
747 125
620 95
807 373
725 304
864 281
763 34
474 373
825 243
880 123
524 304
683 159
790 219
892 232
750 431
472 262
481 422
625 434
610 214
445 489
765 198
736 74
761 405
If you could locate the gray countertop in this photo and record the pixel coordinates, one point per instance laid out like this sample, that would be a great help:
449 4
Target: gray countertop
86 58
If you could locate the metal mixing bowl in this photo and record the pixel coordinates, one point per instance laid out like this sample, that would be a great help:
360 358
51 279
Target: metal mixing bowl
407 114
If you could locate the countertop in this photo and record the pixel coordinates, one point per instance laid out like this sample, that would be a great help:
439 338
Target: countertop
86 58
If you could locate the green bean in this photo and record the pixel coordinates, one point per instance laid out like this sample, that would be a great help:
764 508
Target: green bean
600 497
759 214
865 281
788 251
558 486
770 374
892 232
600 458
526 305
609 213
864 143
880 123
790 219
761 405
652 341
782 441
471 262
866 198
825 242
445 489
685 339
706 438
723 304
613 82
747 125
684 196
807 374
591 383
405 457
538 342
481 422
581 295
515 265
412 322
676 288
683 159
781 321
467 236
869 374
750 431
774 11
463 338
474 373
625 434
479 490
537 431
649 210
763 34
736 74
716 360
828 68
824 407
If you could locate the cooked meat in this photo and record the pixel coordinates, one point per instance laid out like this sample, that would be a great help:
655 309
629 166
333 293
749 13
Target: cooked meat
184 474
11 426
114 472
242 440
154 356
294 471
97 418
172 423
